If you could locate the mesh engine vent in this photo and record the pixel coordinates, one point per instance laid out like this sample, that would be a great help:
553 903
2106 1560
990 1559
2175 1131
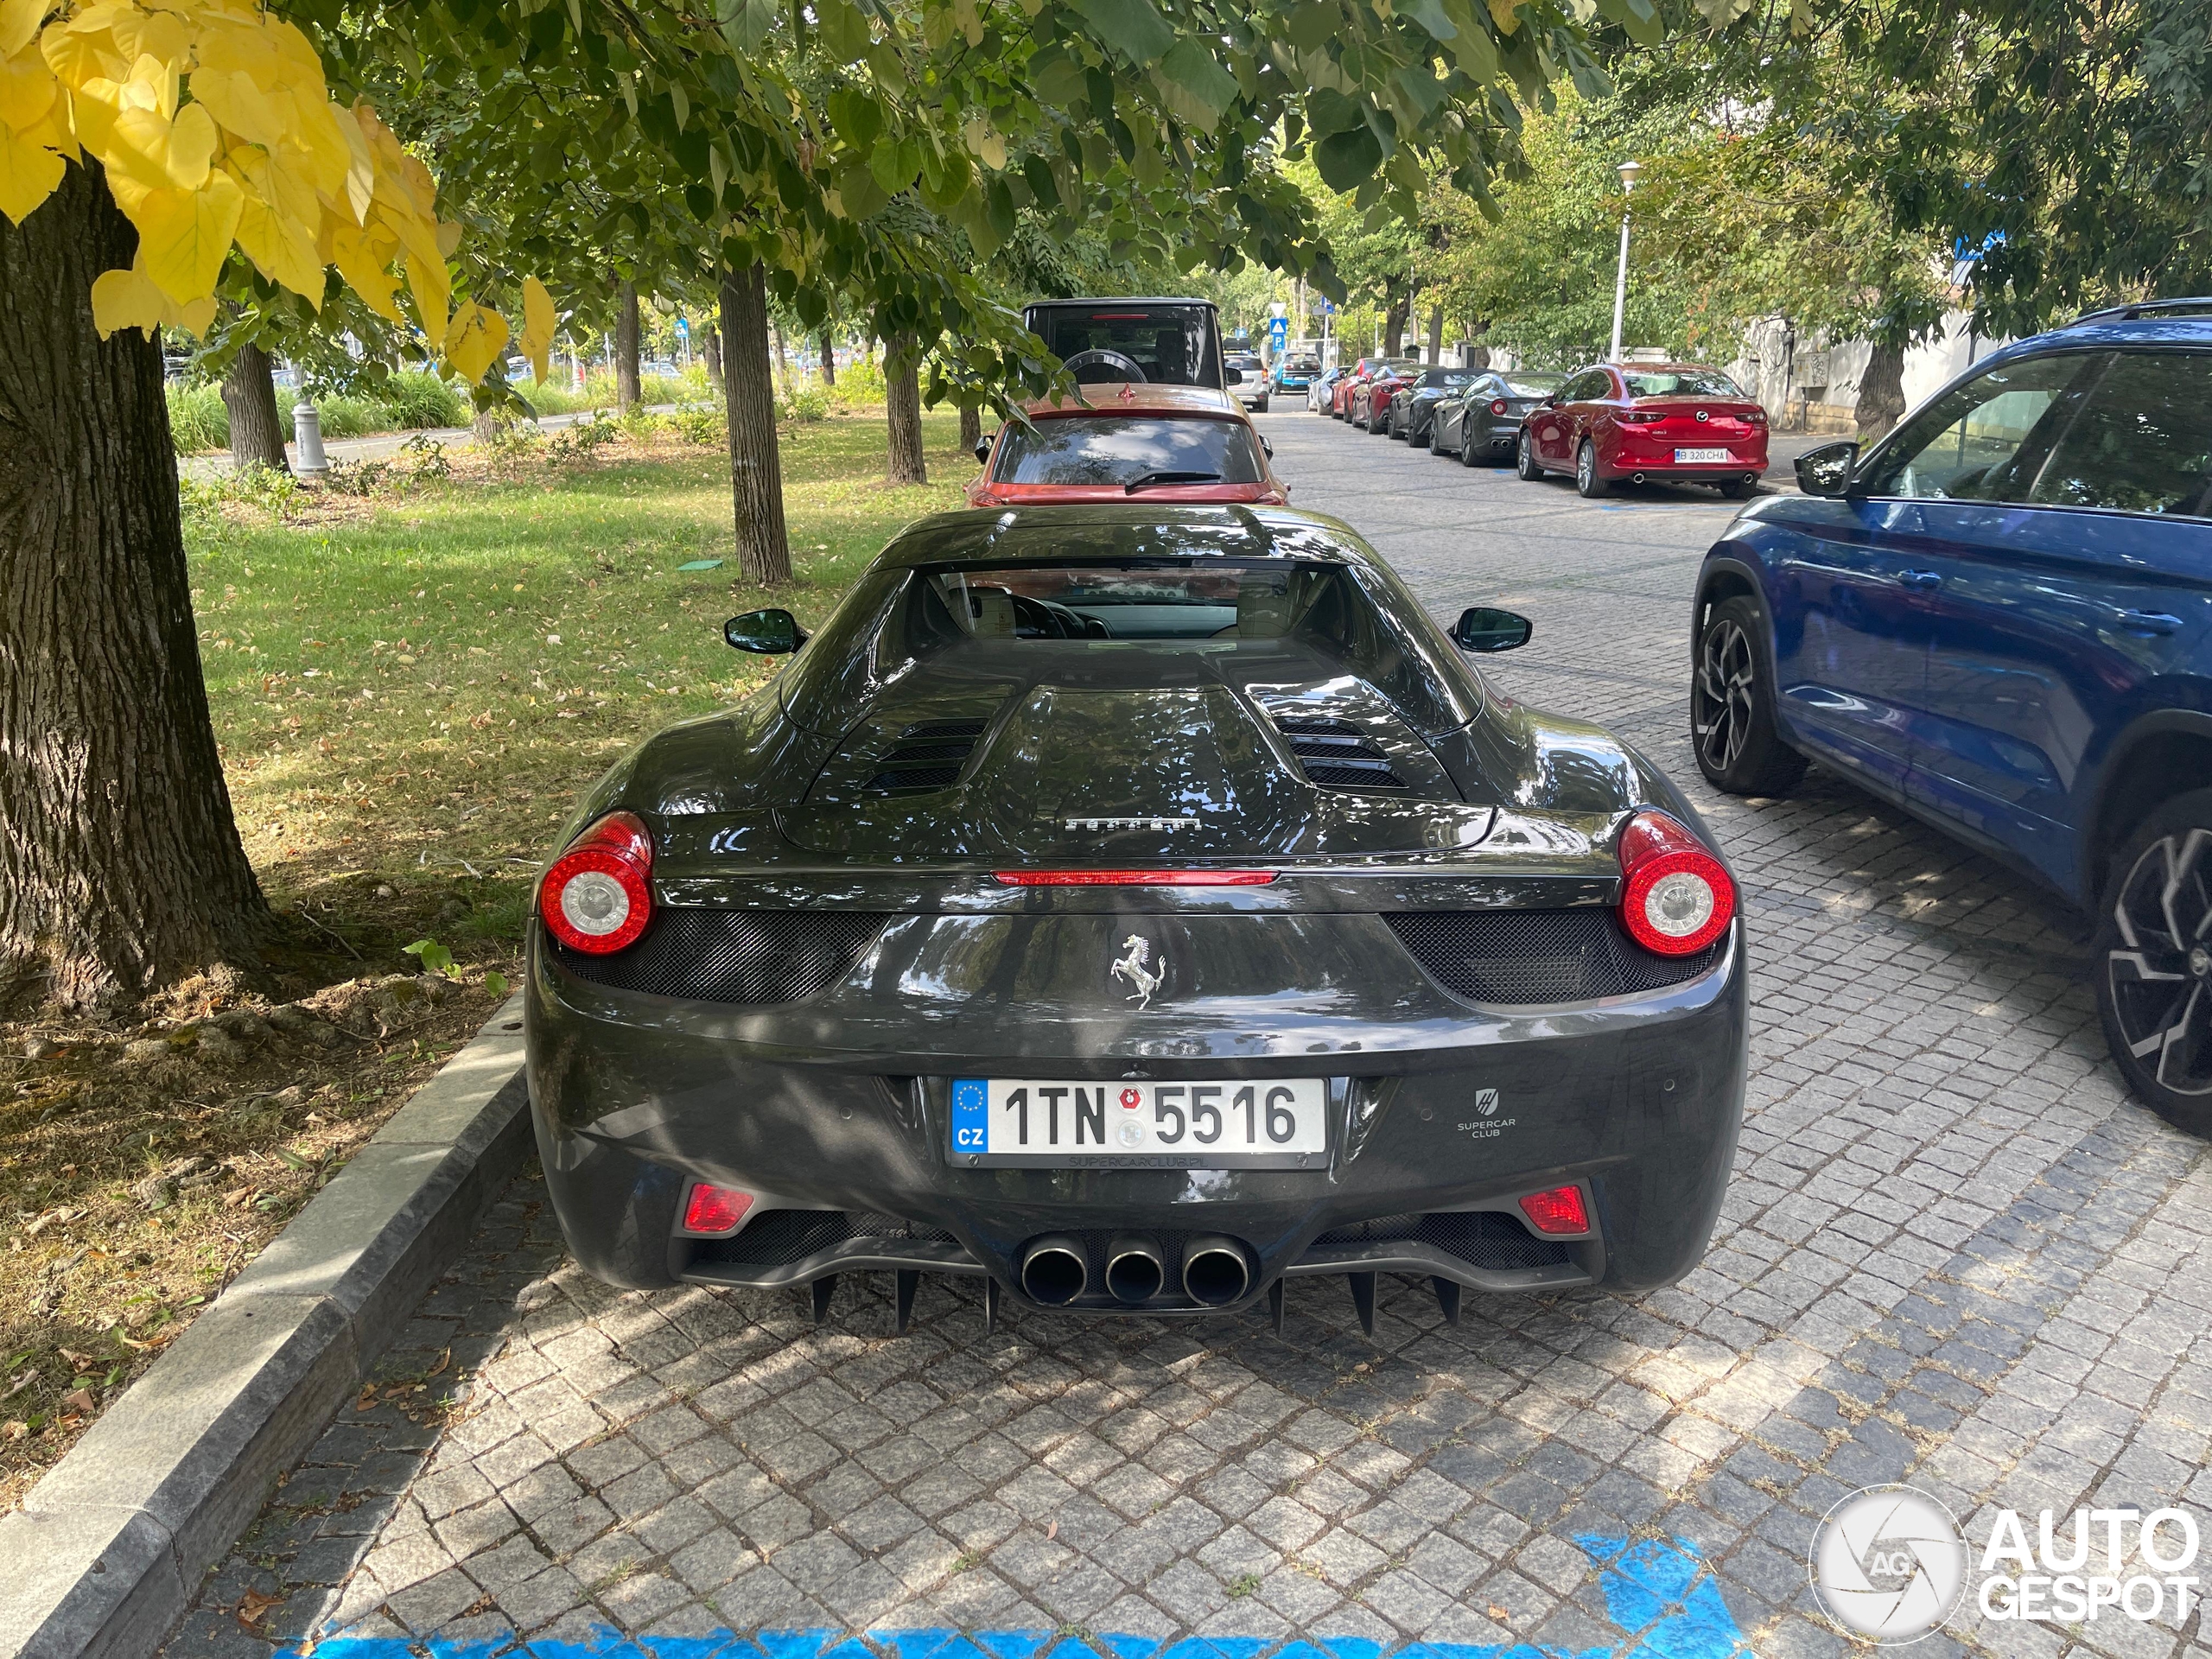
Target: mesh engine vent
1522 957
929 755
1337 754
733 955
783 1237
1481 1238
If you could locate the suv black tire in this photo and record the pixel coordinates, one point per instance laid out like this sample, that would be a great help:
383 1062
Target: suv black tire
1525 464
2160 1027
1732 705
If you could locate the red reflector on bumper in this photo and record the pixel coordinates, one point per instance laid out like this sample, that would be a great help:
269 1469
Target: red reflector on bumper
1559 1211
715 1209
1136 877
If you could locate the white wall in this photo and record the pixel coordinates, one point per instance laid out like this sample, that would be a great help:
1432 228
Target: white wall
1783 369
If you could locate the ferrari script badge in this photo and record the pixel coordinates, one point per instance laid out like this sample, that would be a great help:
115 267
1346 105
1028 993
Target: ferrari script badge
1135 953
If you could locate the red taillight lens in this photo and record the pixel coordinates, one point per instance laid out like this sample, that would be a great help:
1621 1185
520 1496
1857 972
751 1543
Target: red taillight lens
1643 417
1677 899
715 1209
1754 417
1559 1211
1498 405
598 895
1136 877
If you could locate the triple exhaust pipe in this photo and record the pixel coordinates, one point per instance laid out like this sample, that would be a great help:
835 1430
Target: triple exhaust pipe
1056 1269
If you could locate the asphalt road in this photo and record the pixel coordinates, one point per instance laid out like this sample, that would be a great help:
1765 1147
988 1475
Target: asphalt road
1955 1254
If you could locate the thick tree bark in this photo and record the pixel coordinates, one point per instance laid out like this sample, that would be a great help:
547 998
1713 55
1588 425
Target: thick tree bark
1881 393
250 394
971 429
764 550
710 348
1436 334
829 359
628 395
120 867
783 358
1394 325
902 399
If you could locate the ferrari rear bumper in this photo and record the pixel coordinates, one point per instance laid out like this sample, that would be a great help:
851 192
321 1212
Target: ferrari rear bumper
834 1119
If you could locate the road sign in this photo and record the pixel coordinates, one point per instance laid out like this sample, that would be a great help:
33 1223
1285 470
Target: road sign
1278 331
683 328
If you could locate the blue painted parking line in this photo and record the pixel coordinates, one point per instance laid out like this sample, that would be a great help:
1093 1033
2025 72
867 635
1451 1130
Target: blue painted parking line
1661 1595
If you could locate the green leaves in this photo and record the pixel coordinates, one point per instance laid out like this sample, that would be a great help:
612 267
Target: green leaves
745 23
1348 158
1133 28
1196 87
857 117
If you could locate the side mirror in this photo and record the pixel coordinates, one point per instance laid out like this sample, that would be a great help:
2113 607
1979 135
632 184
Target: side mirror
769 633
1827 470
1232 376
984 452
1485 630
1267 449
1552 402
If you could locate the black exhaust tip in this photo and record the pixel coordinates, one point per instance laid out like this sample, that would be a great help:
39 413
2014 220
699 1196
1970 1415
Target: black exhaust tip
1215 1272
1135 1271
1053 1270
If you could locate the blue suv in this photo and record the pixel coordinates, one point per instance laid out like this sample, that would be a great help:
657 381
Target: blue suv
1999 618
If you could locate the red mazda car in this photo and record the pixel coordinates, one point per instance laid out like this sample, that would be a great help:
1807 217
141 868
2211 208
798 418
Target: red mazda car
1164 443
1647 422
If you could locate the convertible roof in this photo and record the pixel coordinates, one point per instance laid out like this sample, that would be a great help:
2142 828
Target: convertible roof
1138 531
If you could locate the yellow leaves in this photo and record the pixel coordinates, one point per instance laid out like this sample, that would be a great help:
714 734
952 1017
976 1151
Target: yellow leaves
29 174
475 340
989 147
216 130
538 322
130 299
1502 12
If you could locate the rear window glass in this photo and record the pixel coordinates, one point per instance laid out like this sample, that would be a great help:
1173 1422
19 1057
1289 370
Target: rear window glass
1300 365
1122 449
1680 383
1532 385
1449 377
1164 343
1212 600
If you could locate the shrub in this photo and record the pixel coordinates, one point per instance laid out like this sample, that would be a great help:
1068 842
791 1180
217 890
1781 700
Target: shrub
419 400
858 385
806 402
198 421
345 415
706 424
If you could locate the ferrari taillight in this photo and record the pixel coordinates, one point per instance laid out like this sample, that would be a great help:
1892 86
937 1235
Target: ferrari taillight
598 895
1498 405
1675 897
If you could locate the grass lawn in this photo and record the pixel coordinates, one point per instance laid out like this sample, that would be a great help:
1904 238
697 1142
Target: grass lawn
436 680
410 689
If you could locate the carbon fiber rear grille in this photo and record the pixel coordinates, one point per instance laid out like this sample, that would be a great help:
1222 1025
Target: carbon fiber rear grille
1520 957
1481 1238
783 1237
1337 754
756 957
929 756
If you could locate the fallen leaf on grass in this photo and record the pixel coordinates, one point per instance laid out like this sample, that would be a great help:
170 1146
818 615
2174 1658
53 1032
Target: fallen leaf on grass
15 1430
80 1360
79 1400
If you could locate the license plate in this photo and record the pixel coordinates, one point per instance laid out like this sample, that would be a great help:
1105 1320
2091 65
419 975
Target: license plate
1229 1125
1702 454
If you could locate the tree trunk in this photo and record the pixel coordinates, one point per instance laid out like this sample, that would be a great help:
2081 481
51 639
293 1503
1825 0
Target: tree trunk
1881 393
628 395
120 867
829 359
764 550
710 348
1394 325
1436 335
902 399
1476 354
250 394
783 358
971 429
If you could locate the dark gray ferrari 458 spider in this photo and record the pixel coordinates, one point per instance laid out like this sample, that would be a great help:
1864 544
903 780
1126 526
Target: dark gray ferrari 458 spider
1136 906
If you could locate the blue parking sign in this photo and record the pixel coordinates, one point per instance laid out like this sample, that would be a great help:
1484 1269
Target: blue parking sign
1279 331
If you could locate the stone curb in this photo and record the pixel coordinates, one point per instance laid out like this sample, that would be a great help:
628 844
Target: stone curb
109 1547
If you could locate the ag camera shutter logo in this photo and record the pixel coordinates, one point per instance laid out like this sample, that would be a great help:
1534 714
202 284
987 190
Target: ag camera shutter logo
1889 1563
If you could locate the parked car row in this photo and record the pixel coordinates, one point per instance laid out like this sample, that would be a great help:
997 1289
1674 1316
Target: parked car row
1608 424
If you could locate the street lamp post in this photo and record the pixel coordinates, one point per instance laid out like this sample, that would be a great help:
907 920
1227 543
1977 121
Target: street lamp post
1631 171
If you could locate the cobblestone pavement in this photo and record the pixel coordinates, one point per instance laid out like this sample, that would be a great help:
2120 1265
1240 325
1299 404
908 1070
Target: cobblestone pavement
1954 1254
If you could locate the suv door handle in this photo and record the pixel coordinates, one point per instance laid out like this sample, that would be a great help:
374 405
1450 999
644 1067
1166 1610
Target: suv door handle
2148 621
1920 578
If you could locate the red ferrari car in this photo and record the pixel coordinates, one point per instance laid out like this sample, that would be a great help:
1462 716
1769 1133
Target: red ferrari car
1347 383
1160 442
1676 422
1370 398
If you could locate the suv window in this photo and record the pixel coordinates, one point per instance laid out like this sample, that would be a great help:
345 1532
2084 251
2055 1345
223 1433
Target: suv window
1119 448
1168 344
2142 442
1587 386
1980 442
